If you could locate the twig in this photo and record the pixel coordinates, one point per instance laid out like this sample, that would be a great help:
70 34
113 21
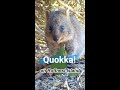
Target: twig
39 74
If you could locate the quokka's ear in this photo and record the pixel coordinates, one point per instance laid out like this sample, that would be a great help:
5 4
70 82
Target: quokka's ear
47 13
68 13
65 12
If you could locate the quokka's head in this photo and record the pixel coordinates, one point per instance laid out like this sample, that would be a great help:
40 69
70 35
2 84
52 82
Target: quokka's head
59 26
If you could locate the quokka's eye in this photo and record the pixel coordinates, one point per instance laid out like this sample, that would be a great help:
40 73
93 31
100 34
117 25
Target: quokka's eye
62 28
50 28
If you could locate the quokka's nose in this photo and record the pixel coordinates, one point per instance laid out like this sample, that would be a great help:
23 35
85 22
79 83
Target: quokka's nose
55 38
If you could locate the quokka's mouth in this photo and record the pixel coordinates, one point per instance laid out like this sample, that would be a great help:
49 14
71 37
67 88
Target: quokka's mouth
61 40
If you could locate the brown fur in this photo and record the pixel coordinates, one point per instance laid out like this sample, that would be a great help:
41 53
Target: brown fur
71 35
